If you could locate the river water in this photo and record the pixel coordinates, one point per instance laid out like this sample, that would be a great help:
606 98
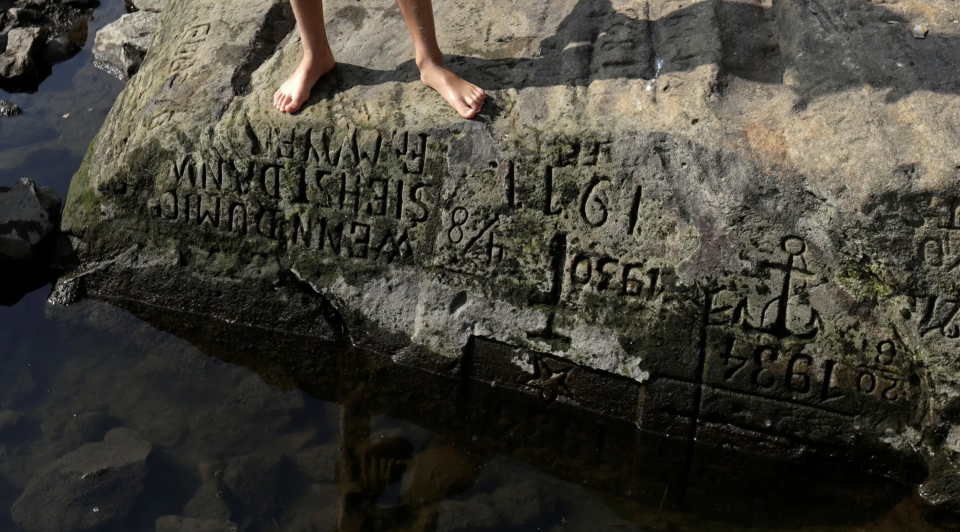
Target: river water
257 431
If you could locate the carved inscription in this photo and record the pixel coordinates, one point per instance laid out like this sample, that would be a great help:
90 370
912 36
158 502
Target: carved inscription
938 249
190 44
316 191
771 346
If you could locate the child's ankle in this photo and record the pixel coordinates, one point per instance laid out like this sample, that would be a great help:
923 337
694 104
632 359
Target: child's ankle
427 62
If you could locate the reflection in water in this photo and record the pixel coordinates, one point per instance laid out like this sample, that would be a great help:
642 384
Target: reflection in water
274 431
47 142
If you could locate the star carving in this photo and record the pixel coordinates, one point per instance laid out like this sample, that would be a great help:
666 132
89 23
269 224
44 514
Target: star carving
550 378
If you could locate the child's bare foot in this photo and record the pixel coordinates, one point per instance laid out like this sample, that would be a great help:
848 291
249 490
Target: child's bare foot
296 90
465 98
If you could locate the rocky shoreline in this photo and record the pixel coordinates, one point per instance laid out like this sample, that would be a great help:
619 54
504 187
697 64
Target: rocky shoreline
715 223
35 35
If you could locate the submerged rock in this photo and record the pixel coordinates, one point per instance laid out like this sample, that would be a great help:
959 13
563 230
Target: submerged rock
320 463
97 483
87 427
256 480
716 222
120 46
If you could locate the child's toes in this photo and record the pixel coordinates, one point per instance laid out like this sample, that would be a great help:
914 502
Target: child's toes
467 111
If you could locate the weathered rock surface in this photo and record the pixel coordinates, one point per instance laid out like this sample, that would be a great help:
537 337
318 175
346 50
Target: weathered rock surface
150 5
120 46
722 222
8 109
20 59
97 483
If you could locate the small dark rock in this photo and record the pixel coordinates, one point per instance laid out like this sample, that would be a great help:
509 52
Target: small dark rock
9 109
121 46
22 16
87 428
97 483
60 48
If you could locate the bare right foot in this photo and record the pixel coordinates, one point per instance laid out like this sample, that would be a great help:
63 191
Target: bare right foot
296 90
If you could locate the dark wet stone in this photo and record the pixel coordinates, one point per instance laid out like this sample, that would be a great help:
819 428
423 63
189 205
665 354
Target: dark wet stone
8 109
256 480
87 428
97 483
24 46
172 523
60 48
320 463
21 16
121 45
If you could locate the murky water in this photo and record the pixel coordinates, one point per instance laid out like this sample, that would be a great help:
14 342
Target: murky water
274 432
47 142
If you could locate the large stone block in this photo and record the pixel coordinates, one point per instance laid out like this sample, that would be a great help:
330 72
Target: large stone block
721 222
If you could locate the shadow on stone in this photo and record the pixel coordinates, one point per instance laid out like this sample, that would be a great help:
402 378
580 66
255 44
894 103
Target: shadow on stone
813 54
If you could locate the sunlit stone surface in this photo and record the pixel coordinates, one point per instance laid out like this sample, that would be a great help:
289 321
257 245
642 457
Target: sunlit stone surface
724 222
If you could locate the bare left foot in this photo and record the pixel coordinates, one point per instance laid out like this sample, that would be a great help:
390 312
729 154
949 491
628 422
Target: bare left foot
465 98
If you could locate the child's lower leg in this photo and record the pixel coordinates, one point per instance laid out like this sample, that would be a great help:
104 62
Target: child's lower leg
317 58
464 97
